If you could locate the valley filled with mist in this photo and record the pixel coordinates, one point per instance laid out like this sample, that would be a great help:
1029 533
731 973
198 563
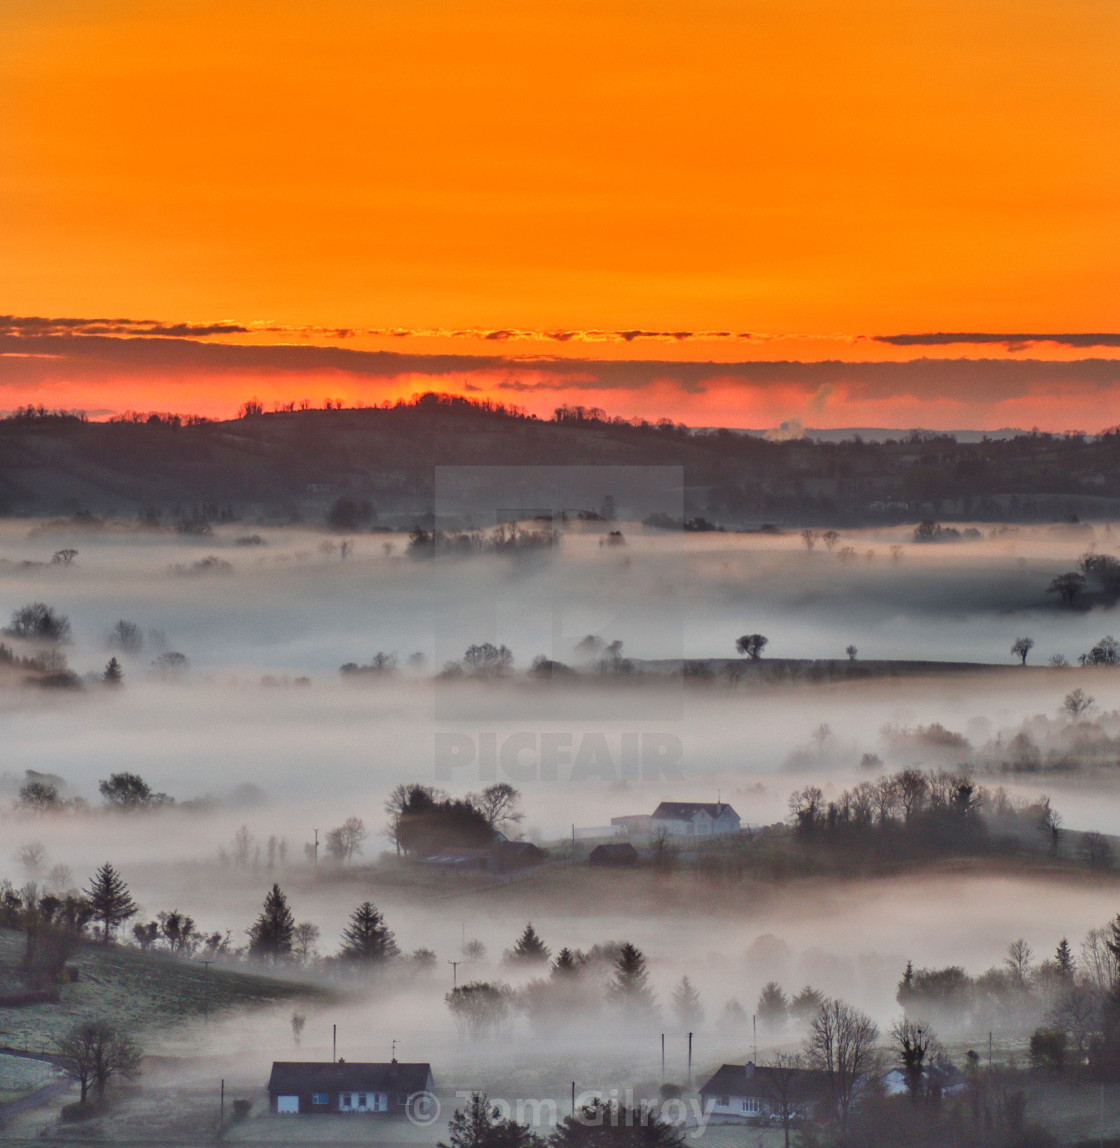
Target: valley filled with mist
272 684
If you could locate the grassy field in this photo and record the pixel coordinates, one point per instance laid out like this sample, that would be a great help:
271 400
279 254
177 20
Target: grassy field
137 991
19 1076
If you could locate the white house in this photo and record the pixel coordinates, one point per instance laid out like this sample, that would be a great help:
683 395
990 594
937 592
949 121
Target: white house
751 1093
694 819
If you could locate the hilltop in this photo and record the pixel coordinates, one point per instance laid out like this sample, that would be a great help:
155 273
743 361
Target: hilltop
294 464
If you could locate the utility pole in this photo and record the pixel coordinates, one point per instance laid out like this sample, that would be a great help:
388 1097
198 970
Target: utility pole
394 1057
754 1027
334 1044
690 1060
662 1058
573 1098
454 973
222 1111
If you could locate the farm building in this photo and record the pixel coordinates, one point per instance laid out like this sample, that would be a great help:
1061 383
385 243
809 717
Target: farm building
298 1087
619 853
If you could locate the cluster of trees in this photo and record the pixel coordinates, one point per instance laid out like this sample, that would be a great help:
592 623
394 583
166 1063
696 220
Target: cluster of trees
941 810
503 539
123 792
424 820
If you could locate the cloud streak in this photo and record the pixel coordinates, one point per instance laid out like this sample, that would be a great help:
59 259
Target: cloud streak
1011 341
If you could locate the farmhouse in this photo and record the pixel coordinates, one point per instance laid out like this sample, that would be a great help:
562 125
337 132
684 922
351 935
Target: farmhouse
312 1087
752 1092
694 818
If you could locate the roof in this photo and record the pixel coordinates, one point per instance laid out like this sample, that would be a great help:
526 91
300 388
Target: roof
686 810
347 1076
616 851
759 1080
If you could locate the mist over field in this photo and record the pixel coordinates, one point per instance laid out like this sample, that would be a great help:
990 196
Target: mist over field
260 734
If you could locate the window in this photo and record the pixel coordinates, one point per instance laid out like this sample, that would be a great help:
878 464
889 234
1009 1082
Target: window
752 1105
320 1098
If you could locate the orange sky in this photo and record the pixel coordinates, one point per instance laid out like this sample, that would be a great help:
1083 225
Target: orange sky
814 170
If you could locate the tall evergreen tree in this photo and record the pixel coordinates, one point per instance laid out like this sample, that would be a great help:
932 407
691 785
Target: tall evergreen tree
113 675
567 963
529 948
687 1004
367 939
110 900
1063 958
629 987
270 937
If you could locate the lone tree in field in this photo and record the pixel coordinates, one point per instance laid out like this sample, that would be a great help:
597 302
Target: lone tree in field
270 937
38 622
128 792
1021 647
346 840
481 1125
752 645
93 1052
809 537
367 940
530 949
480 1007
110 900
488 661
841 1042
113 675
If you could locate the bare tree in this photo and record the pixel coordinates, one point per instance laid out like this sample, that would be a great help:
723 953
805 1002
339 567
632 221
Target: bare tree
346 839
809 538
841 1042
94 1052
1019 958
1021 647
498 803
830 538
1077 703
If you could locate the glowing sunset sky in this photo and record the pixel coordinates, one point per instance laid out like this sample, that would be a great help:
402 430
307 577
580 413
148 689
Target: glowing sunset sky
722 212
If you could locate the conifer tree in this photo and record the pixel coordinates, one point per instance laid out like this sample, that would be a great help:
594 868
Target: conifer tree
270 937
687 1004
113 675
629 987
110 900
529 948
367 939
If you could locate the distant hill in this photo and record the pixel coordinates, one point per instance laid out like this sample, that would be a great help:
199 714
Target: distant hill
295 465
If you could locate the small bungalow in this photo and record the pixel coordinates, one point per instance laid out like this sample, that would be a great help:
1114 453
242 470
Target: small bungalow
298 1087
750 1092
616 854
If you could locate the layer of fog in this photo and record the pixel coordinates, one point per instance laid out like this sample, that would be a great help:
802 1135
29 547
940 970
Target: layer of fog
329 749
